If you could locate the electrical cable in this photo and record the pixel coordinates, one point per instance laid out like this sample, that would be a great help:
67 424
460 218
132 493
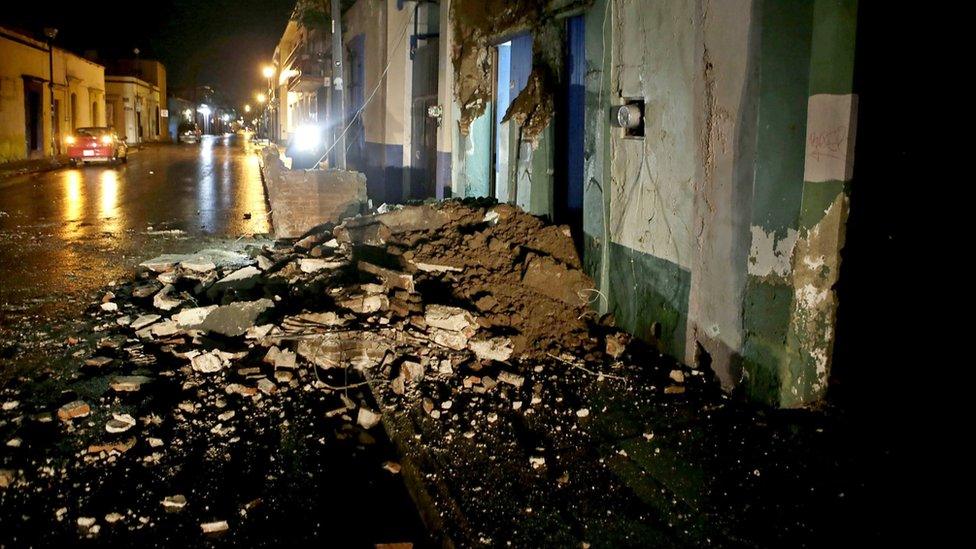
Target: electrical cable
403 33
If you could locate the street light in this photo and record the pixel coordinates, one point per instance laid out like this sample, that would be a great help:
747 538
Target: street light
269 71
261 98
50 33
247 108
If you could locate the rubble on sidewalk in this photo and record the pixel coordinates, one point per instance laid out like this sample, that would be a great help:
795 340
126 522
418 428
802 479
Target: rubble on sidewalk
451 313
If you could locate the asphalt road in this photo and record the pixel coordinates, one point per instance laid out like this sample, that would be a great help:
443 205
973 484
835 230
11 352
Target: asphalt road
67 233
289 476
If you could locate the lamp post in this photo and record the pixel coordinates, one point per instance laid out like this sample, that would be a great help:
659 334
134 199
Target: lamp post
261 98
50 33
337 84
269 71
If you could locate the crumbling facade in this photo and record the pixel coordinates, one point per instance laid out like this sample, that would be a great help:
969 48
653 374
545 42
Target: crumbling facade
714 227
700 151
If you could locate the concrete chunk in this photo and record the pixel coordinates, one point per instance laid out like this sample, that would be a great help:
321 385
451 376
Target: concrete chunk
234 319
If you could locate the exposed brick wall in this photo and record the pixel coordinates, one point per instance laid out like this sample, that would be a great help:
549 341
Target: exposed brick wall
302 199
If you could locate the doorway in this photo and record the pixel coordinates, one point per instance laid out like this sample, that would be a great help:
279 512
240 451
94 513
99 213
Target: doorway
512 68
424 51
568 188
33 129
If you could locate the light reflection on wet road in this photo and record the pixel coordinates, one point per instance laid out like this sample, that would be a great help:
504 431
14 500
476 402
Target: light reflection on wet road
68 232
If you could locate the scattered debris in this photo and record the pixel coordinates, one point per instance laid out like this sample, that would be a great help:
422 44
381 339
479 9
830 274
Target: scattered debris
72 410
174 504
120 423
214 528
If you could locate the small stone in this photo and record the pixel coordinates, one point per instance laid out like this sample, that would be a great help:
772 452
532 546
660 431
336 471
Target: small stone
154 442
674 389
207 363
10 405
194 316
98 362
144 320
128 384
110 307
281 358
162 300
266 386
498 349
412 371
583 412
616 345
226 415
284 376
367 419
214 528
174 504
537 462
514 380
120 423
165 328
85 524
78 408
112 518
678 376
14 443
7 477
392 467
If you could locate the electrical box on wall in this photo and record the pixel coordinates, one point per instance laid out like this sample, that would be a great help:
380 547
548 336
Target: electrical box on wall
630 118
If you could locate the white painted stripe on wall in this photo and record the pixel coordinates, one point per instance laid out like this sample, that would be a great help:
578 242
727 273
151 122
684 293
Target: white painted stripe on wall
831 127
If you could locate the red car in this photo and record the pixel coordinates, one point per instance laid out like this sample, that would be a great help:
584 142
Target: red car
96 145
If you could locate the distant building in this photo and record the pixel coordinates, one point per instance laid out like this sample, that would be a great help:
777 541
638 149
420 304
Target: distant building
180 111
136 102
25 97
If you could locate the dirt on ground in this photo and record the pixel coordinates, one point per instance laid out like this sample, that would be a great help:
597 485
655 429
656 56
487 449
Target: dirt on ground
520 275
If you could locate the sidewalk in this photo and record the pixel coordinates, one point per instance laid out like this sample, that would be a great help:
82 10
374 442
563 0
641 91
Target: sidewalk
34 165
46 164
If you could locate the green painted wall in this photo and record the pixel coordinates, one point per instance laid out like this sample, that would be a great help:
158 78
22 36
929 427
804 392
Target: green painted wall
807 49
648 290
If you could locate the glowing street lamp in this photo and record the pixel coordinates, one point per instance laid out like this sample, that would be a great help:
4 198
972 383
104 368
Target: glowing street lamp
268 71
247 108
261 98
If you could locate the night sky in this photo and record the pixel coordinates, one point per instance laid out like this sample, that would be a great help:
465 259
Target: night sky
221 43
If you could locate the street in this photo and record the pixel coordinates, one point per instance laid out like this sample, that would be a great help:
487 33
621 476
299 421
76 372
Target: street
66 236
68 232
476 273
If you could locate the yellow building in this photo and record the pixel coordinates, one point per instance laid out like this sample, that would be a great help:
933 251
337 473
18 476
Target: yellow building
134 109
25 96
136 102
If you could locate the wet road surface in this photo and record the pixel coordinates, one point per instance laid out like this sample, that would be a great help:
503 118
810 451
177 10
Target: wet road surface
58 228
285 475
67 233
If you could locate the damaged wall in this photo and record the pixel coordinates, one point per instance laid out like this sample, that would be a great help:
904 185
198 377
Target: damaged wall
476 28
717 235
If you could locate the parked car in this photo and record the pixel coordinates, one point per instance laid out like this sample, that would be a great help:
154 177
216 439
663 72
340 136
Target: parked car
188 133
96 144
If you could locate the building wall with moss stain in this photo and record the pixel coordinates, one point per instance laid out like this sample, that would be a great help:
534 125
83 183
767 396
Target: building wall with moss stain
716 235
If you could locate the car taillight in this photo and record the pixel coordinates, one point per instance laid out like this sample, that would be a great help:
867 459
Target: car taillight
70 140
106 140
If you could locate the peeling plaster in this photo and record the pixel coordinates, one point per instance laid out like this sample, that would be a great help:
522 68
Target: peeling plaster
771 257
479 24
816 270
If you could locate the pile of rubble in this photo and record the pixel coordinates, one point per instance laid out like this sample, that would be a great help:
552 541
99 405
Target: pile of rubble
412 306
